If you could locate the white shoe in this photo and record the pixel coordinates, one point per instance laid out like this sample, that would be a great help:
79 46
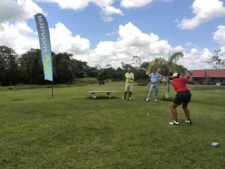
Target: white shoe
129 98
156 100
147 100
174 122
188 122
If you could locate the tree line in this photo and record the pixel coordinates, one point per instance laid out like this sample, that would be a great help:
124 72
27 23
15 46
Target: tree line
27 68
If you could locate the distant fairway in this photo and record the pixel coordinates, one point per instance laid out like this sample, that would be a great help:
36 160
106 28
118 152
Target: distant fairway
76 132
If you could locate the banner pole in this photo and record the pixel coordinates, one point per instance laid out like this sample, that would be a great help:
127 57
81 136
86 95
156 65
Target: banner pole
52 90
45 47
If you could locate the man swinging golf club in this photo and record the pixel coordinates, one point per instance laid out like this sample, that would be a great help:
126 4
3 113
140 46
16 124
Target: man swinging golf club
183 97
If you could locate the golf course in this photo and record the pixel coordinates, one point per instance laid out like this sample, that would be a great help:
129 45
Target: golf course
73 131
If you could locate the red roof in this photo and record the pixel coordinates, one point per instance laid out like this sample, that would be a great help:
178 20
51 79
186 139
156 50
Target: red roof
208 73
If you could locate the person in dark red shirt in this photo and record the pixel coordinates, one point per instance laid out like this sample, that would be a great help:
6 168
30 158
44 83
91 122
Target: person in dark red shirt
183 97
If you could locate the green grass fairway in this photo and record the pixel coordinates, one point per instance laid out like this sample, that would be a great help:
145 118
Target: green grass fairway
75 132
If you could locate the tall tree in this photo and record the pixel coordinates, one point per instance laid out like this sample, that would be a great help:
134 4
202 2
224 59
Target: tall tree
172 59
8 66
144 65
63 68
136 61
158 63
216 60
31 67
166 67
65 71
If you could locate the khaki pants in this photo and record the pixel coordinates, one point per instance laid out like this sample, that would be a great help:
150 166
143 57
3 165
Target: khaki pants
128 87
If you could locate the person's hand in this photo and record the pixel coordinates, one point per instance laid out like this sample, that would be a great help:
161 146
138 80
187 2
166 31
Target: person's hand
187 73
160 80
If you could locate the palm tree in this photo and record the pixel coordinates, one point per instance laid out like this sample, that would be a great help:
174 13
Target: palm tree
157 63
167 66
171 62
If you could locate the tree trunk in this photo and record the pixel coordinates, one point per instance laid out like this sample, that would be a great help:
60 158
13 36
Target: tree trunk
167 94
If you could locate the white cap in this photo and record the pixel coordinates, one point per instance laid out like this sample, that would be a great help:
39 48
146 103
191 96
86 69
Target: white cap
175 74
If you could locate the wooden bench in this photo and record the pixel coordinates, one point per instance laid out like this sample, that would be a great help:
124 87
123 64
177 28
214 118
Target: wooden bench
108 94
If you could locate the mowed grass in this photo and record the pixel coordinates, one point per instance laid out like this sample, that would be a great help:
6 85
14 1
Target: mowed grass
76 132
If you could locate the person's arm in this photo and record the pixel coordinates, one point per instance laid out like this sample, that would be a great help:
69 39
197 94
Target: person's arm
187 80
189 77
161 77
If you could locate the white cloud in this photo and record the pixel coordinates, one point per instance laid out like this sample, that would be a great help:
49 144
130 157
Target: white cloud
178 49
219 35
134 3
107 18
9 10
204 10
189 44
131 40
102 3
69 4
110 10
145 45
81 4
30 8
168 0
21 38
18 10
196 59
222 52
63 41
106 5
78 4
110 34
18 36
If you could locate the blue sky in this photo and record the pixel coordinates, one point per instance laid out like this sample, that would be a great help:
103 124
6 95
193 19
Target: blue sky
112 31
159 17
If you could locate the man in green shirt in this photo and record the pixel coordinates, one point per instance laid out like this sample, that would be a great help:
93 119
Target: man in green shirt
129 76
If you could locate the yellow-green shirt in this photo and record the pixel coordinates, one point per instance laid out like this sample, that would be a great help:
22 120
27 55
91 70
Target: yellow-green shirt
129 77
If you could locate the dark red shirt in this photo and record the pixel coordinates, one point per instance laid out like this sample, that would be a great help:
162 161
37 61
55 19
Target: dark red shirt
179 84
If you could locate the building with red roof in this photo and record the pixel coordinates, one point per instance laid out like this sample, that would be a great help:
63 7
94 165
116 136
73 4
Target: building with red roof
209 76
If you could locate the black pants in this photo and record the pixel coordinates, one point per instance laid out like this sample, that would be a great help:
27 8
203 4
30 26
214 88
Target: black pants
182 97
